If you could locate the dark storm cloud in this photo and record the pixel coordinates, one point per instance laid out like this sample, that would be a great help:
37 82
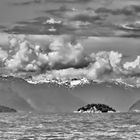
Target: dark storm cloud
68 1
97 22
2 27
71 22
129 29
126 10
62 8
86 18
30 2
25 3
129 35
36 26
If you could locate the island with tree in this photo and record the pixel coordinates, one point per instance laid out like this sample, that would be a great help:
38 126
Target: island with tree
95 108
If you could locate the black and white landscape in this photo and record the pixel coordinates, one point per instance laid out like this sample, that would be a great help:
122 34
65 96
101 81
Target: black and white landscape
59 56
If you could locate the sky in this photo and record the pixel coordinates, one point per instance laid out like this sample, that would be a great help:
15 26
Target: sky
69 53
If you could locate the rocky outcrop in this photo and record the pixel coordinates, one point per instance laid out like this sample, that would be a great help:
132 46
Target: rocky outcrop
96 108
6 109
135 107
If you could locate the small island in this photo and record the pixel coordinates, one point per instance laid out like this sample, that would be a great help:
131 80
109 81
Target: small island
95 108
4 109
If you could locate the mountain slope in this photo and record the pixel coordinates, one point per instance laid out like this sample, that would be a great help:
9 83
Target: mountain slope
6 109
11 98
135 107
19 94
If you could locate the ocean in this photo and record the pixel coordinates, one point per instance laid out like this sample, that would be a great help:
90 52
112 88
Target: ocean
69 126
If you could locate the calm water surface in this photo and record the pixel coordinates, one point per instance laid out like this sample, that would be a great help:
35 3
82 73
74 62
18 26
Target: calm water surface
22 126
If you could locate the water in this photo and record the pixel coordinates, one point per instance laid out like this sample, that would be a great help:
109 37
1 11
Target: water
70 126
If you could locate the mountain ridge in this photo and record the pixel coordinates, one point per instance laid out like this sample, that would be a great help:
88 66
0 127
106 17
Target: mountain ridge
135 107
6 109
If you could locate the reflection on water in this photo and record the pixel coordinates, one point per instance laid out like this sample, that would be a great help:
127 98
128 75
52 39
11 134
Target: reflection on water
117 126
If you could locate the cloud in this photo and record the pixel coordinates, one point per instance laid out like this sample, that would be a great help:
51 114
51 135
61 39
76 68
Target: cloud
105 63
2 27
101 63
88 21
3 55
72 14
65 52
126 10
30 2
115 60
105 66
21 56
87 15
63 58
60 52
133 68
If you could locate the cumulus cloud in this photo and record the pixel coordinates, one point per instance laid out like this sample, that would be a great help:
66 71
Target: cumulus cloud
115 61
3 54
105 62
101 63
60 51
132 68
20 57
104 66
63 54
63 58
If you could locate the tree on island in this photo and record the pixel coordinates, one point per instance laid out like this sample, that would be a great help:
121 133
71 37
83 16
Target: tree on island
96 108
